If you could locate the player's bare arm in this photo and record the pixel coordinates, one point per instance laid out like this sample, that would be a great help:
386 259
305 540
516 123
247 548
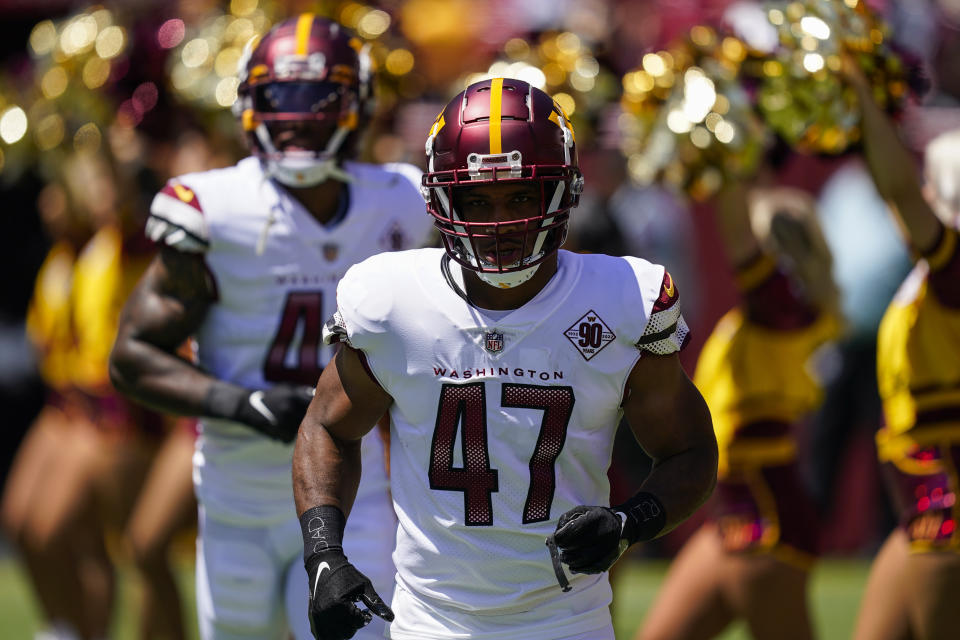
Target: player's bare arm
347 404
326 474
166 307
670 420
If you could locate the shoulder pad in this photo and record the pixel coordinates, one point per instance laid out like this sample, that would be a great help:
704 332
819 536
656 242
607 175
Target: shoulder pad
177 220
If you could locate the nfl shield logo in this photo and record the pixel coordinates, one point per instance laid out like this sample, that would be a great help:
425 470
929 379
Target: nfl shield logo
331 251
494 342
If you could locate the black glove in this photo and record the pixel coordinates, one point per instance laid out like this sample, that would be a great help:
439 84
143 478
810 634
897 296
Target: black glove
591 539
335 584
275 412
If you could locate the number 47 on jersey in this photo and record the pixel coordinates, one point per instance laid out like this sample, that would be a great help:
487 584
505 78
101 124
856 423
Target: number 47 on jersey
463 407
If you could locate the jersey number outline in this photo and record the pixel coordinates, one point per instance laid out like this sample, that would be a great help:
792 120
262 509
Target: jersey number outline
300 306
462 407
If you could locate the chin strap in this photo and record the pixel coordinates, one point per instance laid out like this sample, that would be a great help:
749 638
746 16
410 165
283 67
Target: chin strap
304 173
508 280
499 280
300 169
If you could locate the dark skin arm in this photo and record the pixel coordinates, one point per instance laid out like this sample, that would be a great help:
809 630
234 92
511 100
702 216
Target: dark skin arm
670 420
326 458
166 307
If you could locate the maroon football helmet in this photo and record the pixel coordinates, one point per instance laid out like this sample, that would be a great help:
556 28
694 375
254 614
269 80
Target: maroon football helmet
302 96
502 131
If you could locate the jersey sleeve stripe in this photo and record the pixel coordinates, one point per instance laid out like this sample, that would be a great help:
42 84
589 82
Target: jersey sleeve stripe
662 318
174 210
674 341
180 193
666 331
193 236
668 295
656 337
335 330
162 232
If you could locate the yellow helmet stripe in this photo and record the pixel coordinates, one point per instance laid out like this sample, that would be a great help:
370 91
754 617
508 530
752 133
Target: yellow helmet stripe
435 129
496 103
555 119
304 27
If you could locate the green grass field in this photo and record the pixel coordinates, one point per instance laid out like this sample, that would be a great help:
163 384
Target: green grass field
836 589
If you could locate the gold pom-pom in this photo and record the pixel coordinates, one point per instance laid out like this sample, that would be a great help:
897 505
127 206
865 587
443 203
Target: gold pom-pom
688 120
801 93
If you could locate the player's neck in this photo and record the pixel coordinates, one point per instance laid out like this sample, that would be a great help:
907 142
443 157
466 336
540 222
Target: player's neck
322 201
486 296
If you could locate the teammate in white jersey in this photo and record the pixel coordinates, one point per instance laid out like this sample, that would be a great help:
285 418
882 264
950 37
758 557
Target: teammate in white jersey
248 264
505 365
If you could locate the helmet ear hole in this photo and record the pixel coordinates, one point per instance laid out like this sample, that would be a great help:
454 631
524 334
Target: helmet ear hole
576 187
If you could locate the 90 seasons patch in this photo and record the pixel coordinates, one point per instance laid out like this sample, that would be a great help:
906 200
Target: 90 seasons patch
589 334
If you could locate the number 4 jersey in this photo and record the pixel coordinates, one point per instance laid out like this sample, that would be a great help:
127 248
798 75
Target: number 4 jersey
275 269
501 421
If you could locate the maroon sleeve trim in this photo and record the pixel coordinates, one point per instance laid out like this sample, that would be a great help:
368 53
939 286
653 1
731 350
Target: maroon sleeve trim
182 193
668 294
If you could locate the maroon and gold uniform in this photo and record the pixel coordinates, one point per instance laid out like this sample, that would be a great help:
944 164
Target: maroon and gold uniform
103 276
918 368
752 372
49 324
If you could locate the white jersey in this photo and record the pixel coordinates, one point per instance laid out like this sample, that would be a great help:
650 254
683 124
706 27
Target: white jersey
501 421
275 269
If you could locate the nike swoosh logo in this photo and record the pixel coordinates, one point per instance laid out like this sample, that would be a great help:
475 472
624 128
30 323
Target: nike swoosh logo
320 568
671 289
256 401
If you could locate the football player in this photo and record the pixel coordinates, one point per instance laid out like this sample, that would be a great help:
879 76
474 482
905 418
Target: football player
248 263
505 365
752 560
912 587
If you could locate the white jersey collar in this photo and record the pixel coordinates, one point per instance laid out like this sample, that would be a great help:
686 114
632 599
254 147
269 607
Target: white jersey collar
455 306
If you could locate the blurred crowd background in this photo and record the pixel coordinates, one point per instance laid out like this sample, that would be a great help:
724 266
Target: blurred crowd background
101 104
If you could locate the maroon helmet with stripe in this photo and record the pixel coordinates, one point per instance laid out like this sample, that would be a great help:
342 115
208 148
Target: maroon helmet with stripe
502 131
301 97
